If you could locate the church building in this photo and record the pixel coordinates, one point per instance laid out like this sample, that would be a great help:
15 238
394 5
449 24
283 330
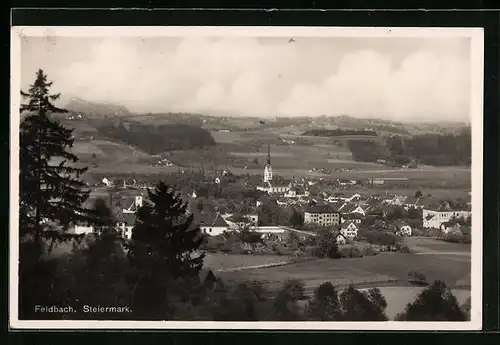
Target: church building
267 186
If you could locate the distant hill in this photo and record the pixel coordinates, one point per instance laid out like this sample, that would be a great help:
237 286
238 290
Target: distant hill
78 105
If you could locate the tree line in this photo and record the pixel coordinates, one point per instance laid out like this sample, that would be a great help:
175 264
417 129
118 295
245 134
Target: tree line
157 274
158 139
338 132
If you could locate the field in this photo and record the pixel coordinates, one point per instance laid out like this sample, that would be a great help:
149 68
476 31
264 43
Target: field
452 269
245 152
430 245
217 262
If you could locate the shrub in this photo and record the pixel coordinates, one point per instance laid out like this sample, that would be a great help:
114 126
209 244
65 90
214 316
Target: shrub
351 251
417 278
369 251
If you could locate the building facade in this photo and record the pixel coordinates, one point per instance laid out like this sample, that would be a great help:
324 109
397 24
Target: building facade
435 218
321 215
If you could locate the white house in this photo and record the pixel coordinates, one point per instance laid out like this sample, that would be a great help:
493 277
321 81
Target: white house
296 192
356 218
349 230
107 182
349 208
83 229
216 227
125 224
435 218
135 205
341 239
403 229
273 189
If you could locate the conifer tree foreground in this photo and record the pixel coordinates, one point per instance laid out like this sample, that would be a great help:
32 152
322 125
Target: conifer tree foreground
162 251
48 190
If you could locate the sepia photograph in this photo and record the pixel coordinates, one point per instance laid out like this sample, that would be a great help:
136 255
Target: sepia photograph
246 178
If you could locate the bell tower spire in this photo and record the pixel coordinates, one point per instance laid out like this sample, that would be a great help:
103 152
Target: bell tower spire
268 154
268 170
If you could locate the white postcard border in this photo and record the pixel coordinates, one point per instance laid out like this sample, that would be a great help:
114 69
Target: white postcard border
476 36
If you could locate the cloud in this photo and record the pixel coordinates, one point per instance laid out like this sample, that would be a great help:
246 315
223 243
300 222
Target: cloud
246 76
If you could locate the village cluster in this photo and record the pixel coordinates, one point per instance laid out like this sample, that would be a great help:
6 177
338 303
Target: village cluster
345 213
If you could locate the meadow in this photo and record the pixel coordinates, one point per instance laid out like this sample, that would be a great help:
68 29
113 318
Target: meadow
379 270
244 152
430 245
223 262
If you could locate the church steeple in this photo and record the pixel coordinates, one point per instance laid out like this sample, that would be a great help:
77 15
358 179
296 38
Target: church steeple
268 154
268 170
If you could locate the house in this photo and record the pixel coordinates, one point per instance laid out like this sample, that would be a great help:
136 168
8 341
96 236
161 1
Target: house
353 208
131 182
135 204
213 226
83 229
349 230
411 202
354 197
403 229
323 215
397 200
125 223
341 239
296 192
236 221
451 228
108 182
356 218
435 218
274 189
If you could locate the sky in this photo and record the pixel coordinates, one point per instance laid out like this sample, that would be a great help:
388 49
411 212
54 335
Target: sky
402 79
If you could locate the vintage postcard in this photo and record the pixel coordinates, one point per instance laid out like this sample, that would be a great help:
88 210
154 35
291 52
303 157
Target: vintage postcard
246 178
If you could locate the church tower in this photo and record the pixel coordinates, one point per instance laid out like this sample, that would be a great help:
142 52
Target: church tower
268 170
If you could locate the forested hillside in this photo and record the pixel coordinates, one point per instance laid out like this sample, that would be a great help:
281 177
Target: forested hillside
157 139
429 149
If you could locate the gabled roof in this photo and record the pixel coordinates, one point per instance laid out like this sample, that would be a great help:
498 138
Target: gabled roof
219 221
399 223
346 225
209 219
129 219
348 208
321 209
354 215
340 234
411 200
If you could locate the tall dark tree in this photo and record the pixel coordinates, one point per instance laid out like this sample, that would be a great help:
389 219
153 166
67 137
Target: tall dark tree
363 305
435 303
162 251
49 190
325 305
296 219
285 302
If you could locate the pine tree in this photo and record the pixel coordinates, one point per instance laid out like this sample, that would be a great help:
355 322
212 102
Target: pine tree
161 249
435 303
325 306
48 191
